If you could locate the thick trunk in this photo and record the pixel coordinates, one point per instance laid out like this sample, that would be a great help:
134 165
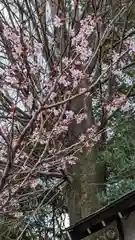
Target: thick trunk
82 198
88 175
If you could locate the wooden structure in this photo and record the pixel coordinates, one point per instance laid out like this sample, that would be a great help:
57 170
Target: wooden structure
118 211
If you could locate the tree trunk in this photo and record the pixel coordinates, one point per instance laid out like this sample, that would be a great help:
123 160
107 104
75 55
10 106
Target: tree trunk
82 198
88 175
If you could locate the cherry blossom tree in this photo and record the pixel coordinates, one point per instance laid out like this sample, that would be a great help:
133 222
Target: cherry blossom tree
62 65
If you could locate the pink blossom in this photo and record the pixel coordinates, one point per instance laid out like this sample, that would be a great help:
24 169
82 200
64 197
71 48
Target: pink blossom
66 61
72 33
115 57
116 103
34 183
131 44
53 95
118 72
82 137
76 74
57 22
18 214
80 117
64 81
18 49
75 84
60 129
37 47
56 112
69 114
6 31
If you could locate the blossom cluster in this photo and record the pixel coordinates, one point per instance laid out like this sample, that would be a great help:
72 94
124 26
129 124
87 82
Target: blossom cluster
52 97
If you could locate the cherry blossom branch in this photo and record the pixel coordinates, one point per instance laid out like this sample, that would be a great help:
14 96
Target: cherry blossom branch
83 92
50 76
103 38
4 137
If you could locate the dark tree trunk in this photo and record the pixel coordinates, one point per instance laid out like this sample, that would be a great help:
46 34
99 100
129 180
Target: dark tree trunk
82 198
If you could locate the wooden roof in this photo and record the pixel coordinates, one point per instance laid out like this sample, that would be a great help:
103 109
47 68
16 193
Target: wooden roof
103 217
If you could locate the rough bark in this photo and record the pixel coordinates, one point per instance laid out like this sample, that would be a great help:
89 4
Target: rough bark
82 198
87 173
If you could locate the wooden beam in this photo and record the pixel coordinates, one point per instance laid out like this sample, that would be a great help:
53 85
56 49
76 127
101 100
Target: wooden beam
103 217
